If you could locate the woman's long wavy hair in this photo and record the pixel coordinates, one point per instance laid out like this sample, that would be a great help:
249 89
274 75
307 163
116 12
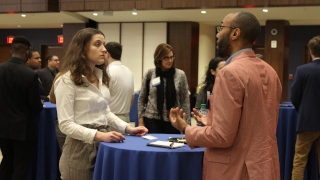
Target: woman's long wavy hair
75 59
210 79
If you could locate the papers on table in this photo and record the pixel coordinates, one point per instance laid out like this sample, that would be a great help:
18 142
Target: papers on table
165 144
149 137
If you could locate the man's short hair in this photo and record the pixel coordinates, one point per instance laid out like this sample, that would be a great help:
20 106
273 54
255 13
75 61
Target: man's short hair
248 24
30 53
20 44
49 57
115 50
314 46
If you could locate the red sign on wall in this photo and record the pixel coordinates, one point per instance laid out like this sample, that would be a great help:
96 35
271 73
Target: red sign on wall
10 39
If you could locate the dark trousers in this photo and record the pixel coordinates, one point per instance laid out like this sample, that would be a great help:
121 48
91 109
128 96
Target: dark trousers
16 159
159 126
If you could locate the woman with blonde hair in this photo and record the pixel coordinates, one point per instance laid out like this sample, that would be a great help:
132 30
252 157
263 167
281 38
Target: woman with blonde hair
82 98
162 88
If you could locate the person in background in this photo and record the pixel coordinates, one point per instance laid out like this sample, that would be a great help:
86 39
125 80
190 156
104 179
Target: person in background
162 88
82 98
121 83
240 137
305 96
214 67
47 74
19 99
34 62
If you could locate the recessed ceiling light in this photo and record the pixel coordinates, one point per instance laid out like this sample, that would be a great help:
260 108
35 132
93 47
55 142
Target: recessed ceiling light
265 10
23 15
61 25
95 14
134 13
19 26
203 12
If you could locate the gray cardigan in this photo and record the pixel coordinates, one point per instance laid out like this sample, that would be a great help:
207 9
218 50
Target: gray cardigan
182 96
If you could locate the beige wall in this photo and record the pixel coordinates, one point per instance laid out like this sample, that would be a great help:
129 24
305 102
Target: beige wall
207 48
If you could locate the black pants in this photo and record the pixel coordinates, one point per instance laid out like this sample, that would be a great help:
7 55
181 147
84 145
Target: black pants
16 158
159 126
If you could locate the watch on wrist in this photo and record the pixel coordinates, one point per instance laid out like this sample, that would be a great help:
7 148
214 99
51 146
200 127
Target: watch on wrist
184 130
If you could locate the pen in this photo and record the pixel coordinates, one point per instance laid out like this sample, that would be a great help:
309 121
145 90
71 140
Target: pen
171 145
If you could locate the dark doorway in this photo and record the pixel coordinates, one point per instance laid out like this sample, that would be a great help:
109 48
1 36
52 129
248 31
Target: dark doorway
47 49
5 51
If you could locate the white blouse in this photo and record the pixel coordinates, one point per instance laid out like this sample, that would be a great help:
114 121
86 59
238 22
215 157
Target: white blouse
84 105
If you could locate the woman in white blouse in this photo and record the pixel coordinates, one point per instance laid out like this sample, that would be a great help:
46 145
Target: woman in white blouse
82 98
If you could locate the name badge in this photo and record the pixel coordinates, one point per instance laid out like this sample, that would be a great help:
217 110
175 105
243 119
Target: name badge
155 81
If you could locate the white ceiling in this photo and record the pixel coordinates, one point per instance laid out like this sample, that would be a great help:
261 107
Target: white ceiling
306 15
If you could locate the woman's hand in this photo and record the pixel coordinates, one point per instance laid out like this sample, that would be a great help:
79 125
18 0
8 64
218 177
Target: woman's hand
110 137
136 131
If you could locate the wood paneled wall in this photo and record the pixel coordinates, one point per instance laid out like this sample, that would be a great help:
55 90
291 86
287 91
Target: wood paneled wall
29 6
278 57
101 5
184 38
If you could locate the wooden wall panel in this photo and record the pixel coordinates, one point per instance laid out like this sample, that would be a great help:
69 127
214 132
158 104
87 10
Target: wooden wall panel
70 1
294 2
198 3
10 7
36 7
253 2
278 57
68 31
184 38
33 1
122 4
148 4
97 6
75 6
10 2
39 5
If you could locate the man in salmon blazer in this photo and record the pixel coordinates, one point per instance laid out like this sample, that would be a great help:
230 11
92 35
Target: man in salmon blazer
240 136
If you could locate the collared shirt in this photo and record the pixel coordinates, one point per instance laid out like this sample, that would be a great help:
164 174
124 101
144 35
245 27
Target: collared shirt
235 54
55 72
121 87
78 105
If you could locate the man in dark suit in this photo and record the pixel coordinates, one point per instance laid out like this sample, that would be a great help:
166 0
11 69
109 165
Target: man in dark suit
19 98
34 62
48 74
305 96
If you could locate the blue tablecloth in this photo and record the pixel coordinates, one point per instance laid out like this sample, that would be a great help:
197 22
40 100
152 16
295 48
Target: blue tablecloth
133 114
133 160
45 163
286 136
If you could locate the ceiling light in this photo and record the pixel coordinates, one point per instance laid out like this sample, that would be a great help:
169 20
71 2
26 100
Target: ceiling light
23 15
134 13
265 10
203 12
19 26
95 14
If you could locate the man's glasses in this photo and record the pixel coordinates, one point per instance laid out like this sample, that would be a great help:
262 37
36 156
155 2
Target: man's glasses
57 60
220 27
168 58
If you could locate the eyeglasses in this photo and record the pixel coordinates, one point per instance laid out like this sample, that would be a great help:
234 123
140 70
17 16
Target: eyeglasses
168 58
57 60
220 27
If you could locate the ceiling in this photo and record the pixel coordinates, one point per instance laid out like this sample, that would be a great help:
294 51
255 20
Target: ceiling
306 15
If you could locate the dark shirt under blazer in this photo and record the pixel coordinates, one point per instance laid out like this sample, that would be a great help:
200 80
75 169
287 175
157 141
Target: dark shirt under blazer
305 96
46 76
19 98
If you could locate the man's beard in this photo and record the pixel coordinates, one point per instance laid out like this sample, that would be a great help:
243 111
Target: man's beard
224 48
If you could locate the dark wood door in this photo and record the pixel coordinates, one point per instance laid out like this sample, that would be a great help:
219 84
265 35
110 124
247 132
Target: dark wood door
47 49
5 52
